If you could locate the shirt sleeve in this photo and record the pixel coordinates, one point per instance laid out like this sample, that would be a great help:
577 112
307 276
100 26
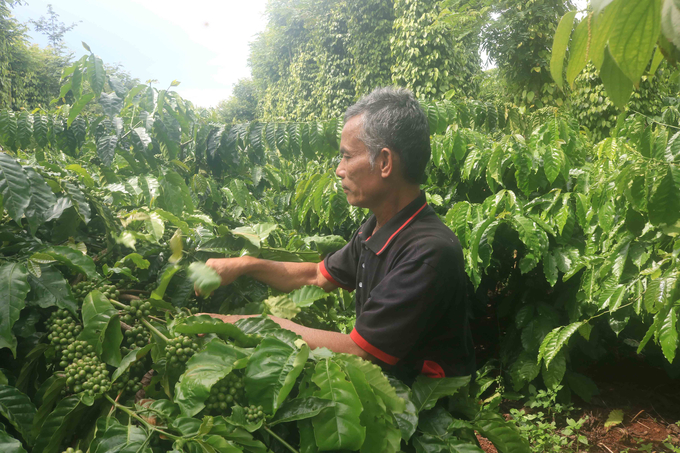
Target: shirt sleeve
401 310
340 267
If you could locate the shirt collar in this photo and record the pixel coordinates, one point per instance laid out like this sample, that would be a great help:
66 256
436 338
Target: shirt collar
379 241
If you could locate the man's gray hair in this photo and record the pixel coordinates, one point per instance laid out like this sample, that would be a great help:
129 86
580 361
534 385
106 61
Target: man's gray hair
393 118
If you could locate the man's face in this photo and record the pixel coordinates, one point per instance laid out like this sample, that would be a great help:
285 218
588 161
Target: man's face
361 184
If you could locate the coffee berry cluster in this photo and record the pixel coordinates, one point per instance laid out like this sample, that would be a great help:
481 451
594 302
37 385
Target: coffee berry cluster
180 349
254 413
63 330
88 375
225 393
136 337
137 309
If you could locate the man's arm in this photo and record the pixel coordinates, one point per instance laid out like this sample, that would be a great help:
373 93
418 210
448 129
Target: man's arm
282 276
315 338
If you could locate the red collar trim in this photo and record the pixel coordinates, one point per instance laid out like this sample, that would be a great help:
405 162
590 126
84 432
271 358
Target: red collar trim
400 228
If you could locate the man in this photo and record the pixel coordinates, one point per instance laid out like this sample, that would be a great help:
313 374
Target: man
404 263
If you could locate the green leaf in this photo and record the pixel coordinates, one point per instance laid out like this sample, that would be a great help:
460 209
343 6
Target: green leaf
578 48
408 419
131 357
615 418
101 327
634 35
272 371
524 370
203 324
553 342
503 434
111 104
18 409
307 295
427 391
60 424
559 48
106 149
553 374
51 289
42 200
74 260
379 383
668 335
582 385
97 74
50 397
17 190
282 306
553 160
428 443
300 409
117 438
8 444
659 293
618 86
79 201
203 370
374 415
664 205
168 273
13 290
205 278
78 107
337 427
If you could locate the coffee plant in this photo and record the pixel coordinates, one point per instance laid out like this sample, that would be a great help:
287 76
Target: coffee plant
108 217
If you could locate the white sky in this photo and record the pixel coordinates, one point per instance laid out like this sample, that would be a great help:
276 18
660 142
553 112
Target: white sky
201 43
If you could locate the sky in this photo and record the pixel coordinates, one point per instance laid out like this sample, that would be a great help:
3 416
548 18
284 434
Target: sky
201 43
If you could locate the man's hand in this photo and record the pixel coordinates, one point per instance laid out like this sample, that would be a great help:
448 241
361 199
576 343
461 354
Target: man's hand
229 268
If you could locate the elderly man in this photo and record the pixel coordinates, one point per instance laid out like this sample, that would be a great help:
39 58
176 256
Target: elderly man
405 265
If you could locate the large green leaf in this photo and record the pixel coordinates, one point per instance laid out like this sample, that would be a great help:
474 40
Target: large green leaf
8 444
17 188
203 370
101 327
379 383
503 434
428 443
272 371
79 201
559 49
427 390
668 335
202 324
634 35
60 424
96 73
42 200
664 205
132 357
307 295
51 395
18 409
78 106
337 427
554 373
205 278
378 423
408 419
300 409
618 86
51 289
106 149
553 342
13 290
578 48
117 438
74 260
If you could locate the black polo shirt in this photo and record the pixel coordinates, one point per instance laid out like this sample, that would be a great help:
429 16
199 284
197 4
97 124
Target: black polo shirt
410 287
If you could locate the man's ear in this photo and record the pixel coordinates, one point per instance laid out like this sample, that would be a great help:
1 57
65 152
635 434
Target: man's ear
387 160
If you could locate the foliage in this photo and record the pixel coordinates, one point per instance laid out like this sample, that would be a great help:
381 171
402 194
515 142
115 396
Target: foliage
518 40
241 105
53 28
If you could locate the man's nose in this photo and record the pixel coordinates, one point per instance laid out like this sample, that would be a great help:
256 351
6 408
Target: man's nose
340 171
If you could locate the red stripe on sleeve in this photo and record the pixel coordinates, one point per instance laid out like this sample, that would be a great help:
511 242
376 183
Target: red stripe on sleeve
329 277
368 347
432 369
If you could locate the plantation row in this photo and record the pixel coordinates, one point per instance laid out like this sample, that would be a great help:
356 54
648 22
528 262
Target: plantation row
109 199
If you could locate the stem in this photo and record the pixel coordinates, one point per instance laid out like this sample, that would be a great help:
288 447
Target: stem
285 444
118 304
154 330
138 418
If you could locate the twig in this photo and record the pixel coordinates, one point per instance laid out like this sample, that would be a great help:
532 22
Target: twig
636 416
154 330
285 444
118 304
129 297
134 291
603 445
138 418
